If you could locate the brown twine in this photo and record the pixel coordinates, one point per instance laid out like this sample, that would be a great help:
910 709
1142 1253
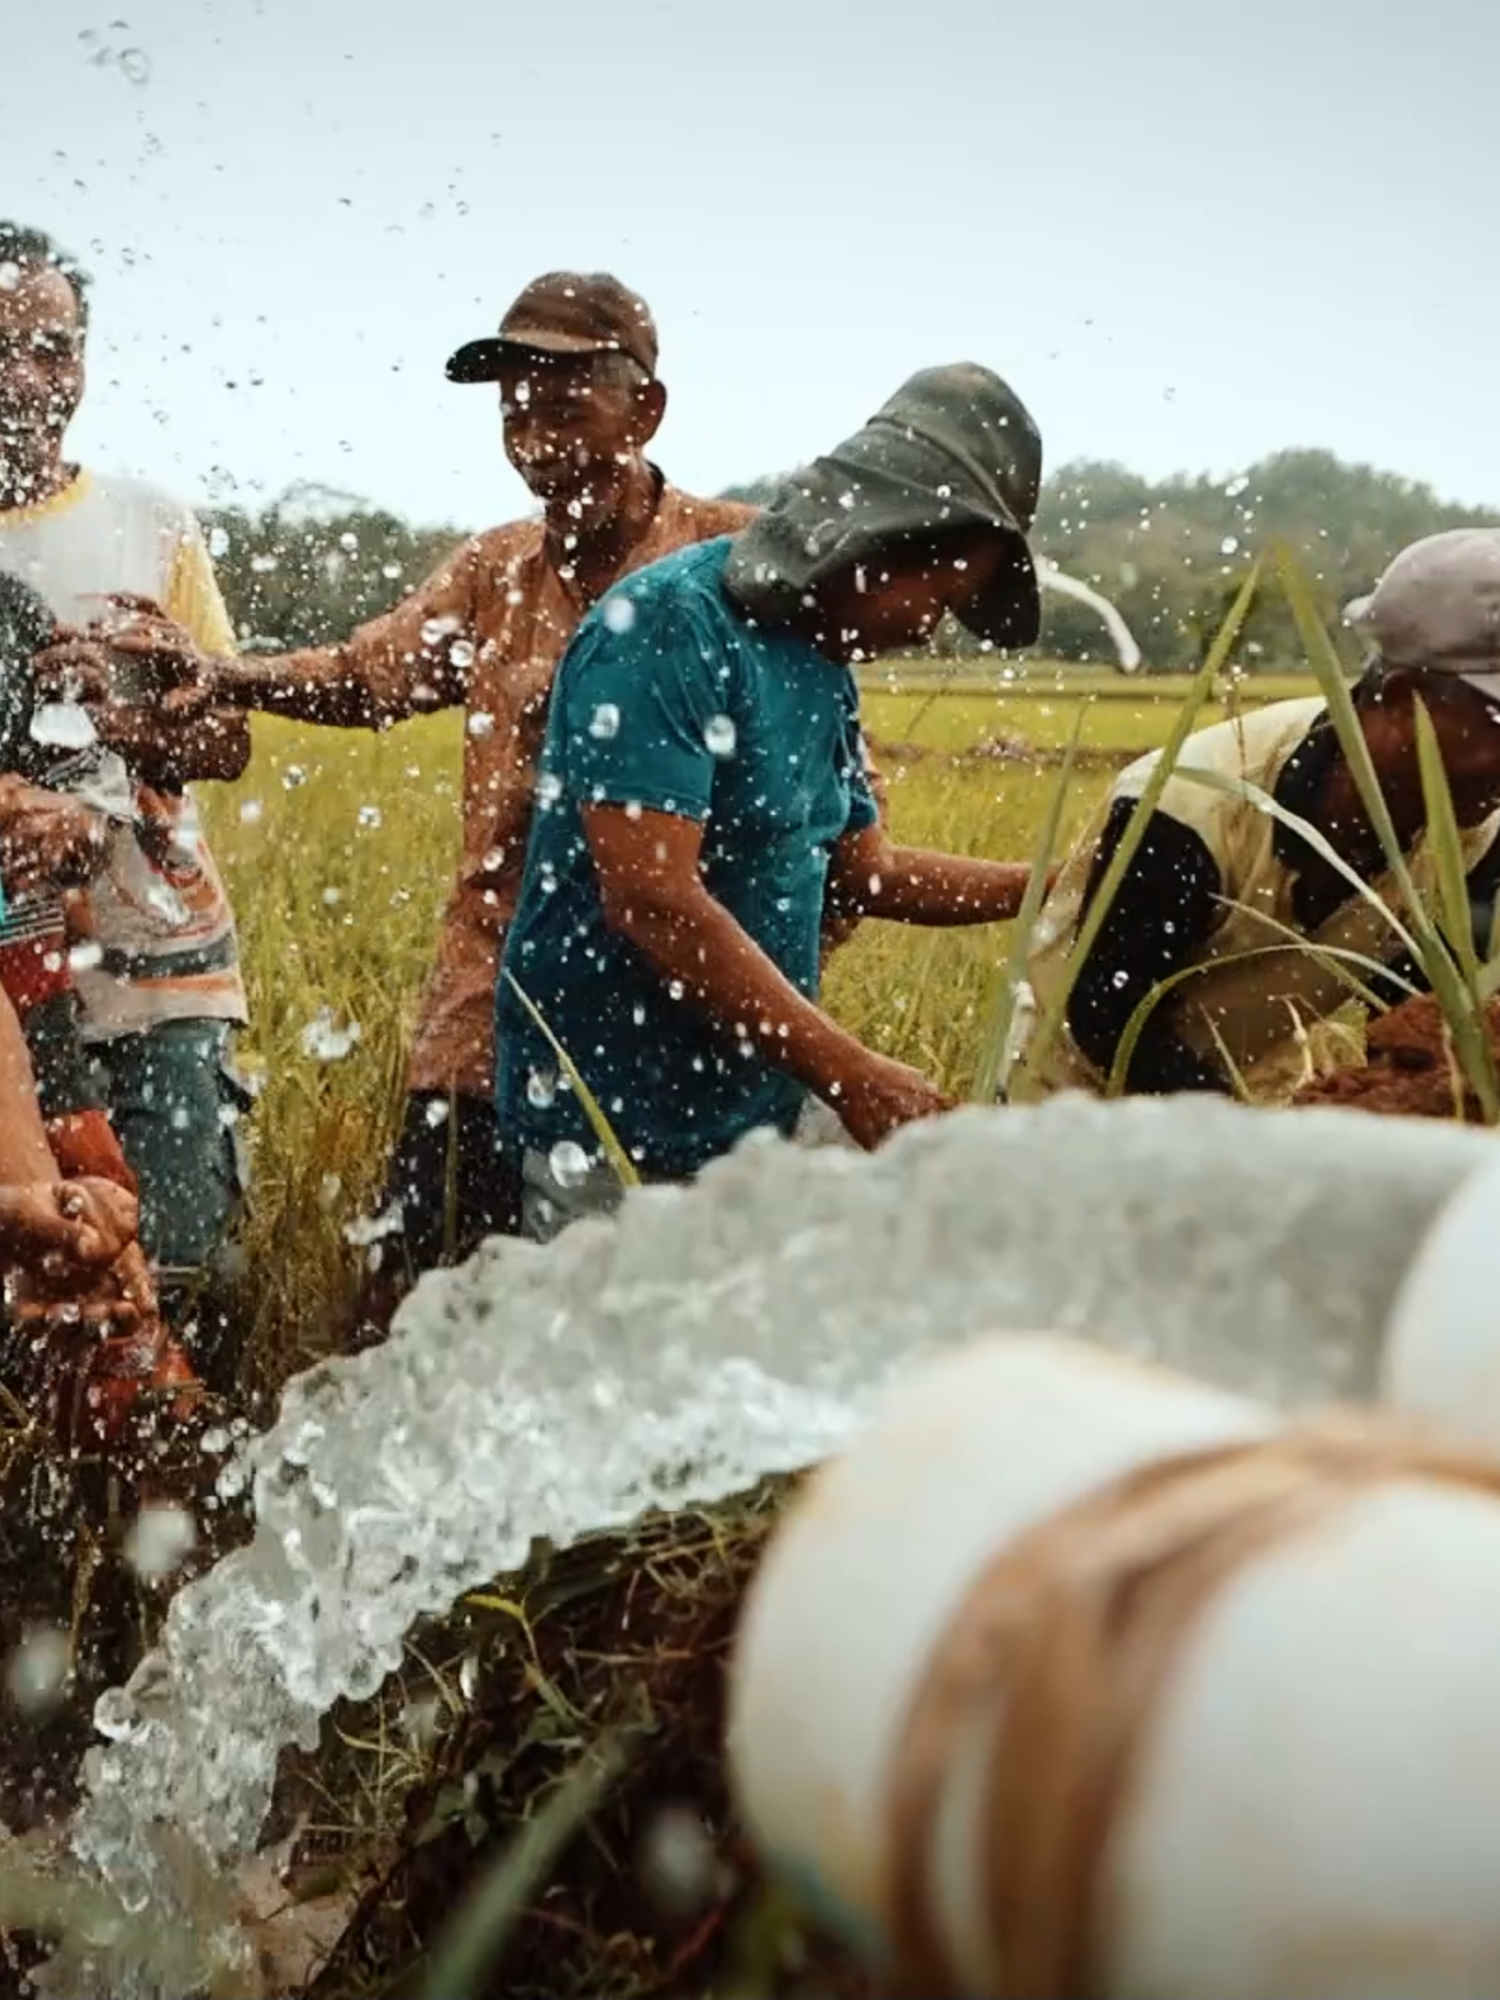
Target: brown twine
1062 1648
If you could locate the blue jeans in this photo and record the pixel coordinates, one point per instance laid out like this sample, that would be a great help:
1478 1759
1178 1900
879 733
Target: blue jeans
175 1104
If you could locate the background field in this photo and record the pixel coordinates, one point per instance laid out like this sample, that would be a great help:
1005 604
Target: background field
338 849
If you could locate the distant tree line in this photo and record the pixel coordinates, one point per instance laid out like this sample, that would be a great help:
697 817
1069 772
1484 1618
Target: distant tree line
1170 553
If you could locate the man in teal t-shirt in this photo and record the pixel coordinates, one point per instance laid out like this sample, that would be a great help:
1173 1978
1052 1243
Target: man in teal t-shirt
702 800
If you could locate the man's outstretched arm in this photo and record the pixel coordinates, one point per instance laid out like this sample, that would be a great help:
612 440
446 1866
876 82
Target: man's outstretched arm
871 877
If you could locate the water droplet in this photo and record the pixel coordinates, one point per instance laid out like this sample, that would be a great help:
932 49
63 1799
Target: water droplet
481 723
62 725
638 1013
136 65
368 1230
461 653
390 571
676 989
1229 545
678 1863
618 612
252 811
632 809
324 1040
437 1112
437 629
548 788
160 1540
605 721
1120 979
293 776
720 736
541 1090
10 277
218 543
84 957
369 816
37 1672
263 564
568 1163
349 541
329 1190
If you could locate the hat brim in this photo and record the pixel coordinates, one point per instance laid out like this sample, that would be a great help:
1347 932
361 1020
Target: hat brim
482 360
1010 613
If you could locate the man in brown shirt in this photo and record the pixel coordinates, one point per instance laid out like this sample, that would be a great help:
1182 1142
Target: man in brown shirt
575 359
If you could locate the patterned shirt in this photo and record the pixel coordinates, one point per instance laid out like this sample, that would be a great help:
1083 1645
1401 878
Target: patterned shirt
157 911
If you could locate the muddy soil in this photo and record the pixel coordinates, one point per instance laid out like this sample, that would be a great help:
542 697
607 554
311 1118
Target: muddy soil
1409 1073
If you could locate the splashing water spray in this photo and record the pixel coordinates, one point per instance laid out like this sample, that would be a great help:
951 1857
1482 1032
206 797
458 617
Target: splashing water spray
700 1341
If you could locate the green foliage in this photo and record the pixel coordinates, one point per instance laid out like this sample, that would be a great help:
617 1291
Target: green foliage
1157 550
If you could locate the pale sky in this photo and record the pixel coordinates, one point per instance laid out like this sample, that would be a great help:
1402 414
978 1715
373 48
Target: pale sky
1188 233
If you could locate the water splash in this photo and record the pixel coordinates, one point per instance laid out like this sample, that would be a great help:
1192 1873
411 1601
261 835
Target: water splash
709 1337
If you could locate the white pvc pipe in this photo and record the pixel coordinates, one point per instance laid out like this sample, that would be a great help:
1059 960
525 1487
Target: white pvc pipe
1317 1809
1442 1352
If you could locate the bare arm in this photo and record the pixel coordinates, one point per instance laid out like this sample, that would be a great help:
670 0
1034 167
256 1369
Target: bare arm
871 877
654 895
395 666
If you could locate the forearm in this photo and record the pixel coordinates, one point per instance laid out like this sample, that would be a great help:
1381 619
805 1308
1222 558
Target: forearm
24 1153
321 685
914 886
695 942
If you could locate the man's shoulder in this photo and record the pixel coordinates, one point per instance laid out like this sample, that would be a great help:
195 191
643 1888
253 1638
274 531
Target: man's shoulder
122 492
512 539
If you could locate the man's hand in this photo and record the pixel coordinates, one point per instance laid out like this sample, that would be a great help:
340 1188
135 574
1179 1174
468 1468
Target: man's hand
881 1096
132 648
67 1232
47 839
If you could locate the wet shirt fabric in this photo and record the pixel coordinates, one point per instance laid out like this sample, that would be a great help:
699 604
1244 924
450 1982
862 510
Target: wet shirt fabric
157 912
486 630
670 699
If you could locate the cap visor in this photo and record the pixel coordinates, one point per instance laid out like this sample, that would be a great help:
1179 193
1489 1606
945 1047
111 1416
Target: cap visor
1487 683
477 361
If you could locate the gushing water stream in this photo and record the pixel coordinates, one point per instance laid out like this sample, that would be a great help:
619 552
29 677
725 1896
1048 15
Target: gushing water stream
709 1337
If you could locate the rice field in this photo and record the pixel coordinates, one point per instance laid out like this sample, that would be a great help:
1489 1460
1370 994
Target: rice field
338 849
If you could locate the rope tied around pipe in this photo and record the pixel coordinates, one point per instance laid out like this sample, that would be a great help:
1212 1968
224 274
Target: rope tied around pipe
1055 1664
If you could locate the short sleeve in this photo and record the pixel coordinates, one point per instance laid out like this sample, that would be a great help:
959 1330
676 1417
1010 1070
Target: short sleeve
640 705
864 806
193 596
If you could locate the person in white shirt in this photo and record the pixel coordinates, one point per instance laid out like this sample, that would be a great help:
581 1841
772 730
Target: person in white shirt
158 980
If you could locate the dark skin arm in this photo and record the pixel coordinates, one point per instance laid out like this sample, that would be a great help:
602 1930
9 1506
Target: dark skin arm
870 876
653 893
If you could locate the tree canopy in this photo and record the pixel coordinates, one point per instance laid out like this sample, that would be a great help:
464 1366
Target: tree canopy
1169 553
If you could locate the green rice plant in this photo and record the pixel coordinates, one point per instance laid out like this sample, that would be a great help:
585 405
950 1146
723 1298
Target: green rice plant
1049 1025
604 1132
1001 1009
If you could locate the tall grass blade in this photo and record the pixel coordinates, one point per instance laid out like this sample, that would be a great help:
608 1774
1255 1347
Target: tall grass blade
1050 1024
483 1925
1336 960
1001 1010
1255 795
603 1131
1446 843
